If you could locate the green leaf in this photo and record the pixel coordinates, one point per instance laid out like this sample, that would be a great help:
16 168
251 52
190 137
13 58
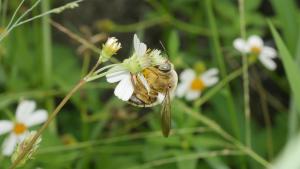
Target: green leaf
286 13
289 64
252 5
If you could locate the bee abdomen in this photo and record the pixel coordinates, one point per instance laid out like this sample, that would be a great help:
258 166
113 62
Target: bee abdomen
141 97
142 100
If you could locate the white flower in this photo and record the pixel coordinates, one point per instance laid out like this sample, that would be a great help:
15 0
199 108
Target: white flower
26 116
255 45
192 85
109 48
133 65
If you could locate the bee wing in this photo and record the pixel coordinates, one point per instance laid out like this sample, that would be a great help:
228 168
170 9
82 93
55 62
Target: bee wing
166 115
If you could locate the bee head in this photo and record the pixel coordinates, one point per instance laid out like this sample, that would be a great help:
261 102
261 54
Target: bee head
165 67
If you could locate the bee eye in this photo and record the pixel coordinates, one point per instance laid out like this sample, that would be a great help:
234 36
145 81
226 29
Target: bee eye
165 67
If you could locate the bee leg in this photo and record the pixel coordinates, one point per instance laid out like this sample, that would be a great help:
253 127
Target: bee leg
134 79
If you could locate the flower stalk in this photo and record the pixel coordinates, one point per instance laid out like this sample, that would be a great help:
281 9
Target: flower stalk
245 76
35 138
19 21
32 142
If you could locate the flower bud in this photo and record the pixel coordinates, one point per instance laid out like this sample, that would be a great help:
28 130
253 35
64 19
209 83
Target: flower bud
70 5
109 48
199 67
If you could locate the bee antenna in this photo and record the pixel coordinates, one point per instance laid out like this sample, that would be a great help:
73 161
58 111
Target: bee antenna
162 45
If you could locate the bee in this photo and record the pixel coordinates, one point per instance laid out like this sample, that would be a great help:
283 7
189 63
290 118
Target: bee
162 81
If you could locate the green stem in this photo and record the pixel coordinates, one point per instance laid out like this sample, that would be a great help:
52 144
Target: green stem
293 112
14 15
264 104
51 118
28 11
52 11
245 77
105 67
86 63
11 26
46 124
94 75
91 78
47 56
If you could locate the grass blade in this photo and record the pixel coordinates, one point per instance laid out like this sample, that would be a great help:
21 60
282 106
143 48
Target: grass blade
287 17
289 64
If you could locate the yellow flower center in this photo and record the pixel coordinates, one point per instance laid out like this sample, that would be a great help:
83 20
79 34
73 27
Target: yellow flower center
19 128
256 50
197 84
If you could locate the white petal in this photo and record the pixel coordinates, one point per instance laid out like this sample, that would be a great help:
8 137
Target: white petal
255 41
210 77
182 88
187 75
192 95
210 80
268 62
117 76
139 47
144 82
9 145
5 126
210 72
36 117
136 41
241 45
124 89
269 52
24 109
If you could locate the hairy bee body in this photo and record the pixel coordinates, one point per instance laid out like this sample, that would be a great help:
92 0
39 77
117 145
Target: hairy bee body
160 82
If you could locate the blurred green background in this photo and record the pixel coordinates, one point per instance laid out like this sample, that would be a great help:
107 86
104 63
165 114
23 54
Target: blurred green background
96 130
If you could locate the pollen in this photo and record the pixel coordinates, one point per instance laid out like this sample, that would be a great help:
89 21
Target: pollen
19 128
255 50
197 84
